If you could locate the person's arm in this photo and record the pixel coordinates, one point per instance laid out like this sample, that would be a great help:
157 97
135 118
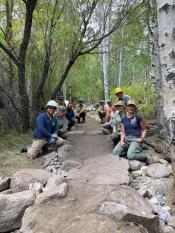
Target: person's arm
123 135
41 126
64 129
143 129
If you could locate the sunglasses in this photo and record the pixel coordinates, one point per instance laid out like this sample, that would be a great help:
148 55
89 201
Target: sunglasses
51 107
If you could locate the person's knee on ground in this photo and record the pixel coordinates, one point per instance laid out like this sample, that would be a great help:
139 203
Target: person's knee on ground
135 152
115 138
59 141
36 148
119 150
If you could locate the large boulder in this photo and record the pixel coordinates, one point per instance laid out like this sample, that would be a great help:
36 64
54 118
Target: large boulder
22 179
158 170
93 223
106 170
54 182
56 192
126 204
12 208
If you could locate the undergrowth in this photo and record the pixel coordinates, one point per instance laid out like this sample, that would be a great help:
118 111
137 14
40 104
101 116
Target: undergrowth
13 140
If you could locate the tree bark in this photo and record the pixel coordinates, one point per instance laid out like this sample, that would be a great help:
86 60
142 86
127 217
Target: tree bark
166 22
25 105
64 75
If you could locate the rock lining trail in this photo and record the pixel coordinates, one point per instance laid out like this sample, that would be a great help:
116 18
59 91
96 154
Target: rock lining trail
97 196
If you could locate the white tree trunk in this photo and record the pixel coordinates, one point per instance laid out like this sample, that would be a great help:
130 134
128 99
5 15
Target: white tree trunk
166 27
121 60
105 65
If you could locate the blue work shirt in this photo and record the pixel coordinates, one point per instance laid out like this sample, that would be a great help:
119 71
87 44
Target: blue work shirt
45 126
132 125
70 115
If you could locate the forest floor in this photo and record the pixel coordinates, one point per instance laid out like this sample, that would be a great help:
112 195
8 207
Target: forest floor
97 176
84 147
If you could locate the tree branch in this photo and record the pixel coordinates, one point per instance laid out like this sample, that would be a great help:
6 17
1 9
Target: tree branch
10 54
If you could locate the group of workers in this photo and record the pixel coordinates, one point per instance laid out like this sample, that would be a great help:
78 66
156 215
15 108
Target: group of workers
52 126
125 126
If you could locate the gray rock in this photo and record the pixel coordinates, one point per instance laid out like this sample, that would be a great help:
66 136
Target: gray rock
4 183
168 229
106 170
36 187
163 161
13 206
8 191
135 174
158 170
136 165
69 164
22 179
59 191
172 221
158 200
54 181
84 223
164 216
128 205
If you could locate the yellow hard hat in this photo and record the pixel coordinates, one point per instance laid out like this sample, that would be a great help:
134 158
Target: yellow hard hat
118 90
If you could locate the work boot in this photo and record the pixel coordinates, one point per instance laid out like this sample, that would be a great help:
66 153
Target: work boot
23 149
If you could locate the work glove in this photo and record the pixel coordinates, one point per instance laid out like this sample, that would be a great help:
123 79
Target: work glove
51 140
54 135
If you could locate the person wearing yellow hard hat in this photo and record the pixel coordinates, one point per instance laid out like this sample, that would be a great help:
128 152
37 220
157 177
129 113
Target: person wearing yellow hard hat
121 96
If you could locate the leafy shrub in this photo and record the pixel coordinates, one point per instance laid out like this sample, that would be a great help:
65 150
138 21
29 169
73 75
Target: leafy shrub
145 98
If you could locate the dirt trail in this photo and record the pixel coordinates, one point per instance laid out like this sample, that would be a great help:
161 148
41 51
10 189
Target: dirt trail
83 198
90 144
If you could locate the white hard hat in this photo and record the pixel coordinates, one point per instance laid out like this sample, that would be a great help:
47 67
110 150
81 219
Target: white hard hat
52 103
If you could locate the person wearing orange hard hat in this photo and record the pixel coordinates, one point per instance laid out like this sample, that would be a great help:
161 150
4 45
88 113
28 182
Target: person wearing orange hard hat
121 96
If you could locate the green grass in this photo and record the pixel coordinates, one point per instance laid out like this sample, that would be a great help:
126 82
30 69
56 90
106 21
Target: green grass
14 141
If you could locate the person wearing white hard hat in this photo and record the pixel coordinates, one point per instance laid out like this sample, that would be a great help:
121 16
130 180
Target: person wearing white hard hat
45 131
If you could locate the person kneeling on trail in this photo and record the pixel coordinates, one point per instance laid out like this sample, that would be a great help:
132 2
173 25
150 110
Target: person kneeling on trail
80 111
45 131
70 115
102 111
62 122
132 135
116 122
120 96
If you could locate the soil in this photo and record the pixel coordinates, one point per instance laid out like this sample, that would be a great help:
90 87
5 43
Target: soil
84 147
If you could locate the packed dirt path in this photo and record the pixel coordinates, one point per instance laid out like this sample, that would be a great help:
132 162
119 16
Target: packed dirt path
91 184
90 144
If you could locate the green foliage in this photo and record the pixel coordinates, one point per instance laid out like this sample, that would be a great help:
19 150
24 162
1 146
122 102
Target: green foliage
12 140
85 79
145 98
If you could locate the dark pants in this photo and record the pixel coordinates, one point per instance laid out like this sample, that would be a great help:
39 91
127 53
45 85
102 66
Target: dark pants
82 115
70 124
101 116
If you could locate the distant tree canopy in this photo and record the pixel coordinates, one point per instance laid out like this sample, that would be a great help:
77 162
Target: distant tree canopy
54 46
